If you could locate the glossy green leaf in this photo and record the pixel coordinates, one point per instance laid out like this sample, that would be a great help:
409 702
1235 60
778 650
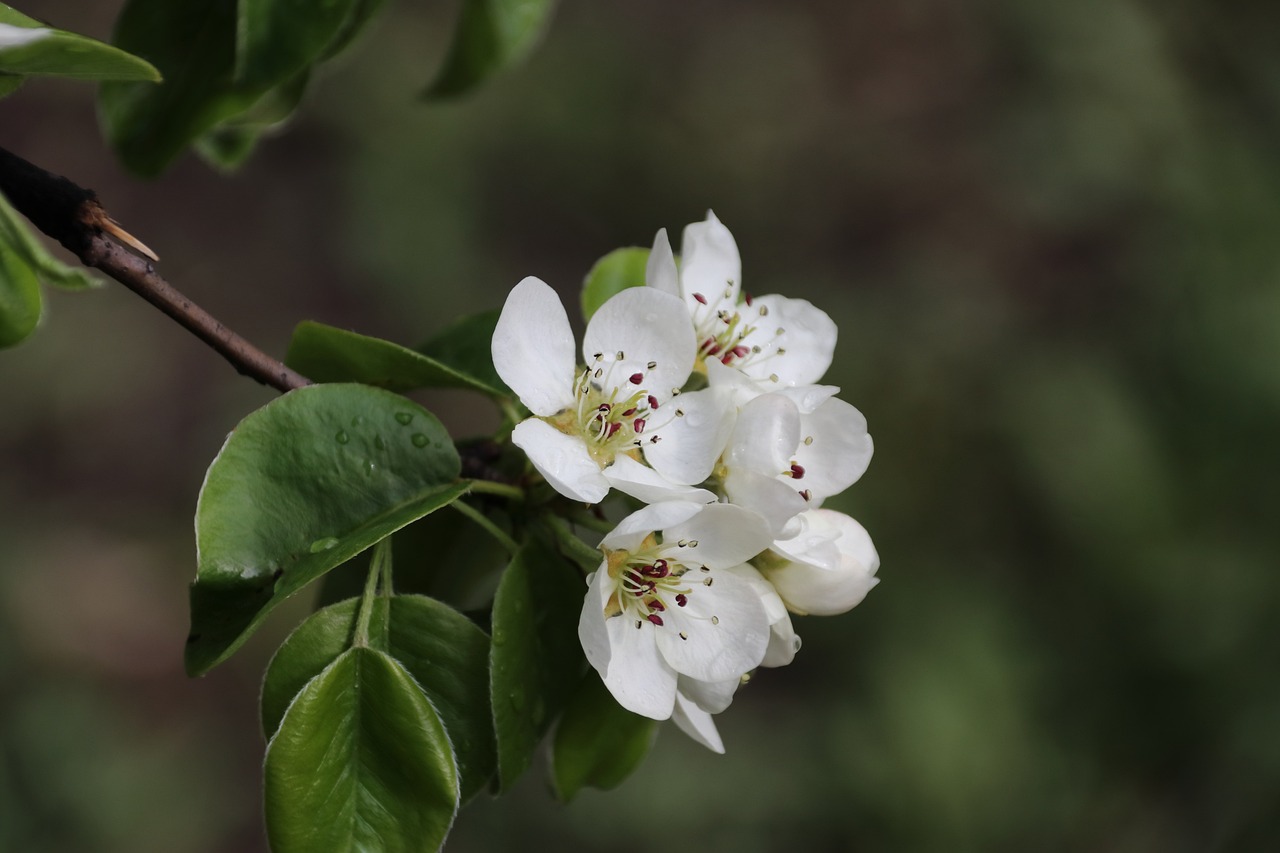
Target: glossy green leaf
28 47
229 144
362 12
302 485
279 39
20 302
447 655
361 762
598 743
328 354
491 35
466 346
536 660
16 236
193 44
612 274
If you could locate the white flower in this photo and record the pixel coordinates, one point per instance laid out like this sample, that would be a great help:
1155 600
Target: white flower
792 449
592 426
826 569
775 341
664 606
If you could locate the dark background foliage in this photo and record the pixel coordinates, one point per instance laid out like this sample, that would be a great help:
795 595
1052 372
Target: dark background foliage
1047 233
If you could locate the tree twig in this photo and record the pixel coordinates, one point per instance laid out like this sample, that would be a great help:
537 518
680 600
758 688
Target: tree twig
73 216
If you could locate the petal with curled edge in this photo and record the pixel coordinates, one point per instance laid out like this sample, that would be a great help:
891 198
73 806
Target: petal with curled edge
798 355
697 724
660 271
643 483
775 501
839 452
711 696
533 348
562 459
709 265
810 589
632 530
765 436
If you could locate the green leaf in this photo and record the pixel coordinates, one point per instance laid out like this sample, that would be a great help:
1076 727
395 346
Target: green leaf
28 47
612 274
20 302
466 346
328 354
361 762
279 39
491 35
229 144
598 743
447 655
362 13
16 236
302 485
536 659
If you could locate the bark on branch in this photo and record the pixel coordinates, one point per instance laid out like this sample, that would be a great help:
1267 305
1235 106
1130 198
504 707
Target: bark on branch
73 216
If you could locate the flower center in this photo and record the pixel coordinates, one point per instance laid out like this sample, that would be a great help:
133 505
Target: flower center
725 334
612 411
652 580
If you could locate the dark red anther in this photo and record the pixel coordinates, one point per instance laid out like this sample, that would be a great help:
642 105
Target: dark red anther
682 599
748 296
613 429
628 413
715 348
702 299
653 402
654 618
728 357
660 569
636 378
740 351
656 605
797 471
638 425
604 407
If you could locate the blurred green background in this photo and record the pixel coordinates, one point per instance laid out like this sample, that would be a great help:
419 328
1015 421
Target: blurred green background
1050 236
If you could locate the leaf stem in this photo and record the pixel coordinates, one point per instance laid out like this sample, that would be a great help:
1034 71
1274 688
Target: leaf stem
379 575
587 558
490 487
509 544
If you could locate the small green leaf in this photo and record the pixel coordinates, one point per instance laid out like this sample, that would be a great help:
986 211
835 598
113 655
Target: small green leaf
279 39
28 47
447 655
598 743
536 658
302 485
361 762
20 302
491 35
229 144
466 346
328 354
612 274
16 236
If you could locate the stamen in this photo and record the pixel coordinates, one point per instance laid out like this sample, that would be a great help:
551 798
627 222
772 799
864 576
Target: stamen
621 355
682 600
715 620
796 471
701 299
652 365
808 440
638 425
653 402
636 378
683 635
654 618
764 310
807 495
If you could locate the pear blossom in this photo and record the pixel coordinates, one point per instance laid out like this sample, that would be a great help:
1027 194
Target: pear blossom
592 425
826 569
792 449
774 341
664 609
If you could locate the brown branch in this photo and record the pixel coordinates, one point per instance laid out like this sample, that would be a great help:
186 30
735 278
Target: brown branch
73 216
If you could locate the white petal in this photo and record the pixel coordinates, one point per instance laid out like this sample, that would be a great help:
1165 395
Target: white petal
807 588
798 355
711 696
660 271
697 724
724 627
783 642
775 501
562 459
690 443
591 628
632 530
726 535
813 543
643 483
765 436
637 675
709 264
840 451
533 348
809 397
648 327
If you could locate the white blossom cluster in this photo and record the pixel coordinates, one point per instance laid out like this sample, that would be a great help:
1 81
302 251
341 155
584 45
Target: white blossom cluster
695 589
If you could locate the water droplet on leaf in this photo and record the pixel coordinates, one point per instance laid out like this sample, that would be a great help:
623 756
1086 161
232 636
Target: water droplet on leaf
404 418
419 440
342 437
323 544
